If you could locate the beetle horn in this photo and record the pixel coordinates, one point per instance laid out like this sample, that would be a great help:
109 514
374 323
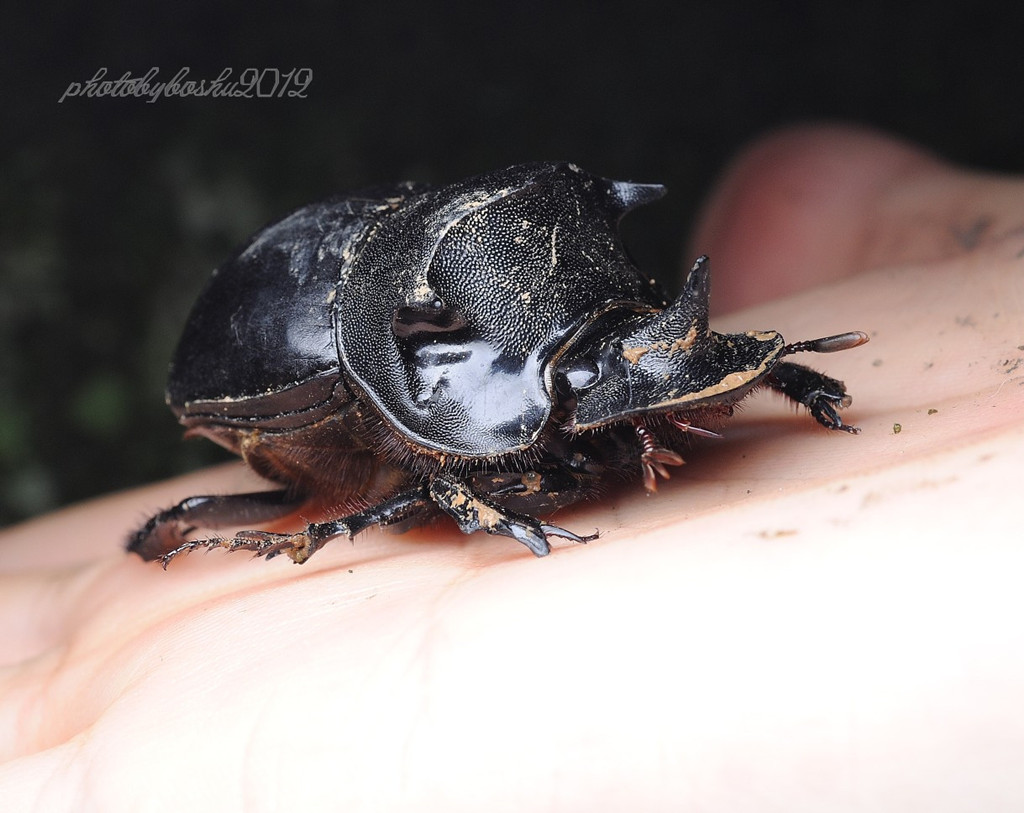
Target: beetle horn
624 196
684 323
672 361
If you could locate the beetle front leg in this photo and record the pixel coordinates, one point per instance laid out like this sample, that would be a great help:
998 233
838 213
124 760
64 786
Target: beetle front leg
819 393
473 512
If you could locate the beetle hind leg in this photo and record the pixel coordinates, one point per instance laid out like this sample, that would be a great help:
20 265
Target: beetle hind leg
298 546
165 532
822 395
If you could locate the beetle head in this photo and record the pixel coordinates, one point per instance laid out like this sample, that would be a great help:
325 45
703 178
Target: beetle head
669 361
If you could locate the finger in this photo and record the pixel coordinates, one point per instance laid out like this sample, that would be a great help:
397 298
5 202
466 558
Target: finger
815 204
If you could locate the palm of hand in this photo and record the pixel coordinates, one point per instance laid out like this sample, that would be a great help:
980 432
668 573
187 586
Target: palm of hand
789 618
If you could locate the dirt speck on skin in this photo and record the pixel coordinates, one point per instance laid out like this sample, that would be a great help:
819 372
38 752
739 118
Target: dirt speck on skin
968 238
897 428
777 533
1010 365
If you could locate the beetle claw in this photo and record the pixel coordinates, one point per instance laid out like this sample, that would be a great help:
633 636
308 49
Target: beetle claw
825 413
554 530
474 512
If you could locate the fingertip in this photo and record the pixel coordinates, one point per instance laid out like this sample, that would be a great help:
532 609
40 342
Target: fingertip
798 208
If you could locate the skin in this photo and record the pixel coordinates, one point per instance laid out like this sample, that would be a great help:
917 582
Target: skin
799 620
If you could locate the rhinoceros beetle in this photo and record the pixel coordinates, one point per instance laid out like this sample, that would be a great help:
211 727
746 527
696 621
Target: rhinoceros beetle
484 350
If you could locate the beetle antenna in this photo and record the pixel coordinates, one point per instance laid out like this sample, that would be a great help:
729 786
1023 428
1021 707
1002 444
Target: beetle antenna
654 458
828 344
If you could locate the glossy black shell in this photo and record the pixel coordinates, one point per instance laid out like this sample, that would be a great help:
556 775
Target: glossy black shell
483 350
445 308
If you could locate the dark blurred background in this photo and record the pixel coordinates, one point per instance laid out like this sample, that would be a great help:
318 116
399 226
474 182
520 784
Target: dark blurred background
113 211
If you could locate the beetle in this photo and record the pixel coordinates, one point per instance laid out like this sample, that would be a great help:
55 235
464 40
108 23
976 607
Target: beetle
484 350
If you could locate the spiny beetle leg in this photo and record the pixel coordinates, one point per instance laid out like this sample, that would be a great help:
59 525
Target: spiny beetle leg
473 512
262 543
300 546
819 393
166 531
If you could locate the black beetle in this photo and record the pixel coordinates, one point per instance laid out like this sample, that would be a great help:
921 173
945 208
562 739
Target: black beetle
484 349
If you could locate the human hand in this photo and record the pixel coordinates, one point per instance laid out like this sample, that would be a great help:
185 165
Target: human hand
798 620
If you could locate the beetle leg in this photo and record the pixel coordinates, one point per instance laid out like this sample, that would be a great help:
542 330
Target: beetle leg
654 458
473 512
167 530
536 492
819 393
262 543
300 546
